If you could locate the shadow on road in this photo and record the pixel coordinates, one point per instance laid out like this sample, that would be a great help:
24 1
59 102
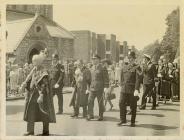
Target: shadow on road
156 127
156 115
12 109
113 110
111 119
168 109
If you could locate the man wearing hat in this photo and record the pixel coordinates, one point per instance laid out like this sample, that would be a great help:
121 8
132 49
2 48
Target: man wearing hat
99 84
149 75
130 85
57 81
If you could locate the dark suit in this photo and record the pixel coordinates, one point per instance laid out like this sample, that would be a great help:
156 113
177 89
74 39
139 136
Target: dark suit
129 83
99 81
57 76
149 75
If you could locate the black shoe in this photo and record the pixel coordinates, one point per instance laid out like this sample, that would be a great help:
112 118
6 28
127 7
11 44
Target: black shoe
74 116
142 108
153 108
88 118
121 123
46 133
132 125
28 134
59 112
100 119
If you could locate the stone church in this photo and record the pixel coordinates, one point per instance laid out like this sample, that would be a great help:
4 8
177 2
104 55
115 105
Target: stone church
30 29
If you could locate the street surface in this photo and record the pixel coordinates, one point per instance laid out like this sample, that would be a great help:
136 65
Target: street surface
161 122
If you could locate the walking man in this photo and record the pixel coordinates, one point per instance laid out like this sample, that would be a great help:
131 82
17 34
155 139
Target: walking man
99 84
149 75
57 81
130 85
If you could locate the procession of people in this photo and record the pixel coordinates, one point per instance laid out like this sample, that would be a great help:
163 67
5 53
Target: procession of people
97 79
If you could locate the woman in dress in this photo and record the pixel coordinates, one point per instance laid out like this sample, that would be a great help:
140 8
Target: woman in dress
81 87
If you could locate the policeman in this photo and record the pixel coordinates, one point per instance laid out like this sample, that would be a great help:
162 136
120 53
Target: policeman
57 81
99 84
149 75
130 85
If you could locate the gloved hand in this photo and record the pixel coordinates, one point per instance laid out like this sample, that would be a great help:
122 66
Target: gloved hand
22 87
40 99
56 86
87 91
137 94
105 90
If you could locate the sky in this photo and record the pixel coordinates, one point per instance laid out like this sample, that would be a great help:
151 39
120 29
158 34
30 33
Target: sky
138 24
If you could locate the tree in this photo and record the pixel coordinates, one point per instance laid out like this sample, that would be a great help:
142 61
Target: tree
170 42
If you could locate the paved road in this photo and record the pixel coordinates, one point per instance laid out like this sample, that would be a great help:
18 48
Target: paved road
163 121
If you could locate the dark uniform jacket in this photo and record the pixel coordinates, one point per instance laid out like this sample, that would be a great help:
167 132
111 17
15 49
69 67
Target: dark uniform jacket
99 78
149 73
130 78
57 75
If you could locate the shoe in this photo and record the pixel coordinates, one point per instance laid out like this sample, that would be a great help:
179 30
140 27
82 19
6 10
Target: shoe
88 118
100 119
28 134
59 112
132 125
74 116
142 108
153 108
121 122
46 133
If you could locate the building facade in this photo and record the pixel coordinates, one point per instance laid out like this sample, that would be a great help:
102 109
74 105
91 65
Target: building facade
28 33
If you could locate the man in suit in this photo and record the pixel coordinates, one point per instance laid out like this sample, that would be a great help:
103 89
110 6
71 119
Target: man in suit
149 75
99 84
130 85
57 81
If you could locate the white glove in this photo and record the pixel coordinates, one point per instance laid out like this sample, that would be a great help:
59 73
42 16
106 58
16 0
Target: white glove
87 91
40 99
136 93
56 86
170 76
22 87
105 90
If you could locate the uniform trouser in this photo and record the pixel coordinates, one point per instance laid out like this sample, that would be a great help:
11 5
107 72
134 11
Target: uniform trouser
91 98
124 99
60 102
30 127
76 110
147 88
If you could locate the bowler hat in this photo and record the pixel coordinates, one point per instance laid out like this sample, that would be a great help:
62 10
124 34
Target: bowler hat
96 56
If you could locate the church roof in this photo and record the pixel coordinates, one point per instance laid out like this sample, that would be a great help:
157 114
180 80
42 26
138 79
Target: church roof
17 29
